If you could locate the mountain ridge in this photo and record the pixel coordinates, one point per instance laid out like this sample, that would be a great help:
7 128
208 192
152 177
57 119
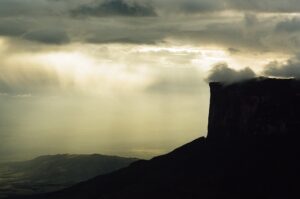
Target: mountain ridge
53 172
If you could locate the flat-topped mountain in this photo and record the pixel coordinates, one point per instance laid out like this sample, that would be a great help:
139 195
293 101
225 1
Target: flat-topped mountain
252 151
256 107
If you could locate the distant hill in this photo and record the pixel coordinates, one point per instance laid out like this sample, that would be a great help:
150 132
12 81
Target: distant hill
258 159
266 168
54 172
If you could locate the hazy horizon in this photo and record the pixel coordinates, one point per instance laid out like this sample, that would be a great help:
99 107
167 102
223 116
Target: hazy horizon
129 77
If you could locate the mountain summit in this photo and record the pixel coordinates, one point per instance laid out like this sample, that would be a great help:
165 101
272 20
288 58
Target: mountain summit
251 151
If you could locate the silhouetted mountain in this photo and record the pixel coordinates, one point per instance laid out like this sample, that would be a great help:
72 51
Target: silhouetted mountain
54 172
252 151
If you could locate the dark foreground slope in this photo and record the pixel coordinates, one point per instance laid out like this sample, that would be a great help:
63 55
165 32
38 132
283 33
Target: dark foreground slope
240 165
54 172
258 168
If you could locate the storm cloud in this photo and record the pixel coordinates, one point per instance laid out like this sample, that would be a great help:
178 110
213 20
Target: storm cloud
141 7
48 36
150 22
114 8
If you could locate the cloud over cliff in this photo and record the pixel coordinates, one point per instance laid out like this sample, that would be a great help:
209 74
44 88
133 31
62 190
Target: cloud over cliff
222 73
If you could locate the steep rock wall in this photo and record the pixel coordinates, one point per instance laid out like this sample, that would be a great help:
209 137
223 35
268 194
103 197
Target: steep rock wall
259 106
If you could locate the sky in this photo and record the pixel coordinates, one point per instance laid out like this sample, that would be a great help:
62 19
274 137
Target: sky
129 77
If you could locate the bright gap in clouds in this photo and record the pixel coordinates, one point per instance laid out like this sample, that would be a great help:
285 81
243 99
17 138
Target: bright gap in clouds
82 71
122 68
117 67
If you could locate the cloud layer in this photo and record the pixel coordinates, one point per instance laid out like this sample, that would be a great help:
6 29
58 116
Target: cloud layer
129 21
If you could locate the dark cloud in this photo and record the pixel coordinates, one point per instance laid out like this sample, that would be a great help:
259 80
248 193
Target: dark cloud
253 33
129 30
114 8
235 35
48 36
222 73
289 69
264 5
26 8
284 42
11 8
124 40
192 6
10 27
17 7
202 6
129 35
290 25
175 20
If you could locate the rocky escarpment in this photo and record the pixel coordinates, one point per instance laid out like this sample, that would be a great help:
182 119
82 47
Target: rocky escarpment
252 151
256 107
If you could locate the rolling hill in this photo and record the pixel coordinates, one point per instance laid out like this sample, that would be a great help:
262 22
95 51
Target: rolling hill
54 172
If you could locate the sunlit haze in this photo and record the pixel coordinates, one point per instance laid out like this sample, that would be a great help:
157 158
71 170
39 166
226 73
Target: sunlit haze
129 84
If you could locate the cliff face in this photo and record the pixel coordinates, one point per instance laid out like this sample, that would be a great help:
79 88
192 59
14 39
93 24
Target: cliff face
254 107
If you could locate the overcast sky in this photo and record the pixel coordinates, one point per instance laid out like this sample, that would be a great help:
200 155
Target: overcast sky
129 77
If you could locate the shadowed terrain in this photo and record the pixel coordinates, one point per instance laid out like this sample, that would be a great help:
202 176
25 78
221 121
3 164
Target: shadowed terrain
54 172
